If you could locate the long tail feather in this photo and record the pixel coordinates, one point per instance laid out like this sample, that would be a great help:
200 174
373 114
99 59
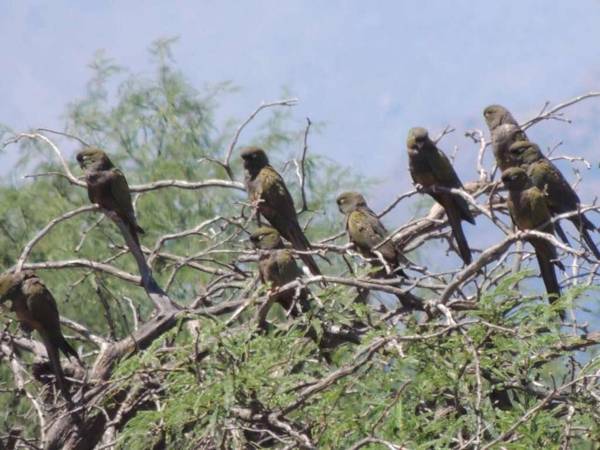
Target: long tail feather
590 243
585 222
454 219
66 348
584 225
544 255
54 358
299 242
561 233
463 206
159 297
135 230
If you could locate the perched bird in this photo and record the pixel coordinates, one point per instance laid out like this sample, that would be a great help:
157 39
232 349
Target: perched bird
366 232
529 211
504 130
108 187
431 169
35 308
267 189
560 196
277 267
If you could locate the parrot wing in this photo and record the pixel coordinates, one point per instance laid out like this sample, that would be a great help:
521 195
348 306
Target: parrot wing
277 206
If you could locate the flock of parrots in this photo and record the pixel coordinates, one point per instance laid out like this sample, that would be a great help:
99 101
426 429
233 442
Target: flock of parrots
537 191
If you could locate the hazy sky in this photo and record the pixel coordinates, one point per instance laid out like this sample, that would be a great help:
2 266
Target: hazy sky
369 70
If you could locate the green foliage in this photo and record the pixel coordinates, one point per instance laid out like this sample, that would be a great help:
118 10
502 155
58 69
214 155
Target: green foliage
422 397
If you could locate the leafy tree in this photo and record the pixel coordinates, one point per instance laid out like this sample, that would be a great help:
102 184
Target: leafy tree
484 363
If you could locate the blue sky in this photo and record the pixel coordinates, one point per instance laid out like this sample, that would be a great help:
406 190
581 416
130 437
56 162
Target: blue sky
368 70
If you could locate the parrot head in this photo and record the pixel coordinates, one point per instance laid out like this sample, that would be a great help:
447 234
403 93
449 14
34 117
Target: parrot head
94 158
417 138
496 115
10 281
350 201
266 238
515 179
525 152
254 158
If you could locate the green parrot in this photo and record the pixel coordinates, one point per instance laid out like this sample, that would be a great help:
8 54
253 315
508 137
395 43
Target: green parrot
108 187
366 231
431 168
560 196
277 267
504 130
266 188
529 211
36 309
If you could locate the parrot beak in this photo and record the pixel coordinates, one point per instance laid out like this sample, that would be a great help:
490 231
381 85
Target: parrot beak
81 161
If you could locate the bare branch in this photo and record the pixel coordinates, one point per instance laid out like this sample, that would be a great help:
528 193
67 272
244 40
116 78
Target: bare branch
27 250
236 136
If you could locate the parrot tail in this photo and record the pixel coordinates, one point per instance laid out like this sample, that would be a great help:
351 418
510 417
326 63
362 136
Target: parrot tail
299 242
561 233
545 254
134 229
584 225
590 243
67 350
454 218
463 206
582 222
311 264
54 358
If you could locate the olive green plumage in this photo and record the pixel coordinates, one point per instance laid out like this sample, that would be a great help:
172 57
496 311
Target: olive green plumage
266 188
504 130
366 232
560 196
503 137
108 187
36 309
277 267
431 168
496 115
529 211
